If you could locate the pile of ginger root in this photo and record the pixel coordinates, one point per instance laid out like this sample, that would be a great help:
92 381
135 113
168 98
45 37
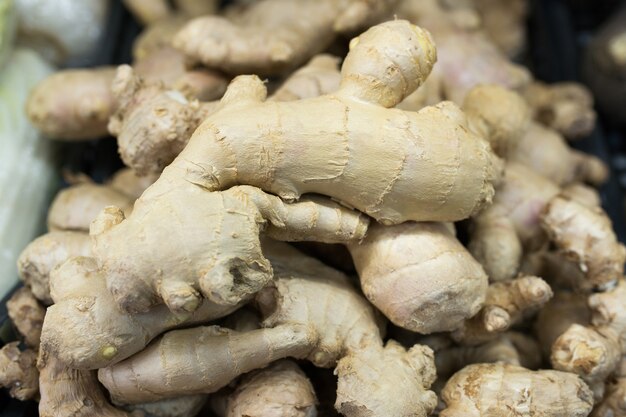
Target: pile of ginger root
400 229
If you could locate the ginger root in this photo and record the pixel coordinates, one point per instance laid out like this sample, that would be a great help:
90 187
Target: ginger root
506 304
84 328
584 235
27 315
18 372
273 36
43 254
419 276
280 390
73 104
483 389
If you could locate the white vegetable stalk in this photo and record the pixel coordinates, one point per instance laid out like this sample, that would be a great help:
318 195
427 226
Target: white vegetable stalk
26 169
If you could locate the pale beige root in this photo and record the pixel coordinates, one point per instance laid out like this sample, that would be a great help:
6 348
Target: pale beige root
152 123
18 372
419 276
386 381
582 194
43 254
594 352
273 36
591 353
502 389
148 11
85 330
73 104
280 390
76 206
504 21
404 144
565 107
127 182
69 392
319 76
167 65
563 310
200 360
242 320
187 241
186 406
495 244
157 36
497 114
467 57
27 315
547 153
507 303
301 289
614 402
454 358
584 235
349 336
511 225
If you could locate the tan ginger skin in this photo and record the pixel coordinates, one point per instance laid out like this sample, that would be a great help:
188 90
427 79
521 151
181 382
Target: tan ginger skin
85 330
43 254
419 276
280 390
585 236
504 21
27 315
613 404
506 304
594 352
467 58
348 337
393 197
150 12
389 198
69 392
185 406
274 36
153 123
502 389
18 372
502 232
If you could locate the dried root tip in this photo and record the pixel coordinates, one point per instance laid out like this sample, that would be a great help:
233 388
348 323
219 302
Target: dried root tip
585 236
609 309
586 352
280 390
27 315
73 104
497 114
387 63
369 378
508 387
18 372
43 254
75 207
187 406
